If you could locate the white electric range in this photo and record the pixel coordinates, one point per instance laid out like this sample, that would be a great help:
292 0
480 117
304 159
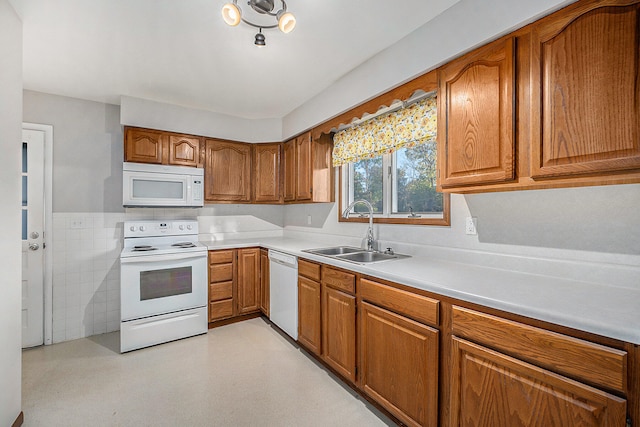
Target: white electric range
163 280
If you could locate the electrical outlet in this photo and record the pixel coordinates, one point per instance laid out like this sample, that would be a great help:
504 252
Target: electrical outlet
471 225
308 219
77 223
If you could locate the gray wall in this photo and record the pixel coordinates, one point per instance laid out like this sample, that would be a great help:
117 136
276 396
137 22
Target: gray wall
87 151
10 254
588 223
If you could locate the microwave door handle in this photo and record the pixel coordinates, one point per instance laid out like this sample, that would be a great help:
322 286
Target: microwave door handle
157 258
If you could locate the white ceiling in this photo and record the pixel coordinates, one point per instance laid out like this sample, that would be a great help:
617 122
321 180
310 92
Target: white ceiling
181 52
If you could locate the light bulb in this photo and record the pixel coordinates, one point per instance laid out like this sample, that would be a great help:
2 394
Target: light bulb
286 22
231 14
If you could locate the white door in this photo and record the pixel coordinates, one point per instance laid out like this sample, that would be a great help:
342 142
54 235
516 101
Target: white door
32 238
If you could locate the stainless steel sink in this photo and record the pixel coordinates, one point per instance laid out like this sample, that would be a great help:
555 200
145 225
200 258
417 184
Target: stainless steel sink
367 257
337 250
354 255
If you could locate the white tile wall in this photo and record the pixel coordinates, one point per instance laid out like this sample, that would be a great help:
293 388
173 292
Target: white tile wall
86 273
86 268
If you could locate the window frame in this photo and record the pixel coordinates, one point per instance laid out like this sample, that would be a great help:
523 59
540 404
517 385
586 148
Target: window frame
388 161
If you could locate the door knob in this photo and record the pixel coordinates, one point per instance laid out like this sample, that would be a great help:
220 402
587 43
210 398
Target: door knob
35 234
34 246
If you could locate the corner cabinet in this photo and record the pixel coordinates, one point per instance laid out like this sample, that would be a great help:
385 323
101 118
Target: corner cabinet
476 120
227 177
266 172
159 147
308 171
585 87
248 280
234 283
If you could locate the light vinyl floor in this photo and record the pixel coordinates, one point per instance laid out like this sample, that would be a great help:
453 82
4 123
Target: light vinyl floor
244 374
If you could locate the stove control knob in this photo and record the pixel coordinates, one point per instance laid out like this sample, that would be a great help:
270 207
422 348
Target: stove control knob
132 228
181 227
189 227
142 228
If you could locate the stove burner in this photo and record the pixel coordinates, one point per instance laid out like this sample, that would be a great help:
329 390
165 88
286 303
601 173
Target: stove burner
142 248
184 245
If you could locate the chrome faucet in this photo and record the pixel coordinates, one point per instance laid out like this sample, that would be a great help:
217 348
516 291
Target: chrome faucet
370 240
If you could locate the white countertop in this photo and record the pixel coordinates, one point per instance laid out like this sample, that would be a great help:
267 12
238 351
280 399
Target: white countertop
604 310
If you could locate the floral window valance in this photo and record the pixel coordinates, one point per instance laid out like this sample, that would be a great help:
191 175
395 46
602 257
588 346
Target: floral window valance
408 127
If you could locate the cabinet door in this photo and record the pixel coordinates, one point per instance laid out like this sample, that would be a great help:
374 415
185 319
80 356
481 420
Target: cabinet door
309 314
303 174
586 88
267 173
184 150
227 171
476 117
399 365
264 282
339 331
289 155
248 280
322 174
491 389
144 146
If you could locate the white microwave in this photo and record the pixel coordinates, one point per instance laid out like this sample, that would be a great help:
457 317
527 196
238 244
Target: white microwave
161 185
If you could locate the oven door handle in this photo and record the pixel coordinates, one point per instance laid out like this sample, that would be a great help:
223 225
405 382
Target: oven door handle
159 258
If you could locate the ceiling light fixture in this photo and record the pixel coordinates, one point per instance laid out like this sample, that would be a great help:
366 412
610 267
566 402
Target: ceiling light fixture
285 21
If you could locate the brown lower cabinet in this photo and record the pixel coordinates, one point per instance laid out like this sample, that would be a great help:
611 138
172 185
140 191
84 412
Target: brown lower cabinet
399 365
506 373
339 321
234 283
429 361
264 282
492 389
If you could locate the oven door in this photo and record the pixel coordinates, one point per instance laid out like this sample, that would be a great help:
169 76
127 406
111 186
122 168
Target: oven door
158 284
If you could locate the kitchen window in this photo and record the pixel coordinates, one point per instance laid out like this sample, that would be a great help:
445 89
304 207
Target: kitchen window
391 161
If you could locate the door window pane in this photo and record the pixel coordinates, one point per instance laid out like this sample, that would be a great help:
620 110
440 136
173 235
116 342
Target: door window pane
415 180
24 224
165 283
367 184
24 191
24 157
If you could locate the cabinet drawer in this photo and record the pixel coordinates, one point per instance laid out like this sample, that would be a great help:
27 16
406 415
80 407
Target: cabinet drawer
220 291
417 307
566 355
308 269
220 273
220 309
339 279
220 257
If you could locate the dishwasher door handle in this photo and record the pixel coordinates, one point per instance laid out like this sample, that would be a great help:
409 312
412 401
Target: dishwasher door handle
283 259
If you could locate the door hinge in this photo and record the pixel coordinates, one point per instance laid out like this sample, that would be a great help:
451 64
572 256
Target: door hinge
629 423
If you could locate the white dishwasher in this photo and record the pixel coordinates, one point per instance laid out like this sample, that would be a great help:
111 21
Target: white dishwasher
283 277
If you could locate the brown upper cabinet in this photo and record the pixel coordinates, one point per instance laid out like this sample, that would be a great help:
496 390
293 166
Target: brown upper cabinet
266 172
554 104
227 174
586 91
308 171
153 146
477 117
